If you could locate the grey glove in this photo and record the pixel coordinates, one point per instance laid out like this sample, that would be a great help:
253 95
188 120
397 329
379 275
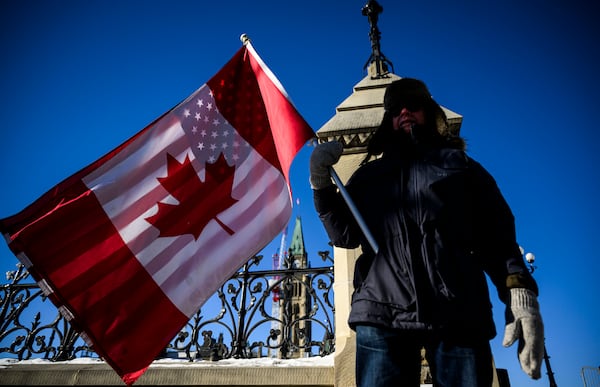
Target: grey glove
324 156
524 323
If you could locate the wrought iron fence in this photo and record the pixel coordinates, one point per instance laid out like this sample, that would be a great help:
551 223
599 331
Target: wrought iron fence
256 313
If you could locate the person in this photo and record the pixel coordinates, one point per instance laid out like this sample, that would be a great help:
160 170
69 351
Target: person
440 224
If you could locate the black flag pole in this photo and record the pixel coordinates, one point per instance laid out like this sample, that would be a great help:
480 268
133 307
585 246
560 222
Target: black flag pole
354 210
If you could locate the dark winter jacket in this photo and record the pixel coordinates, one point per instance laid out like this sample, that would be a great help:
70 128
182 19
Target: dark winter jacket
441 223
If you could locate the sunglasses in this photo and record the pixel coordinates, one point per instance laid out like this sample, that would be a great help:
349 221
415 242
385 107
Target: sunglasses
412 105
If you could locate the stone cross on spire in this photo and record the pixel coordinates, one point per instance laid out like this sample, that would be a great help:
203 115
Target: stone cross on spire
377 63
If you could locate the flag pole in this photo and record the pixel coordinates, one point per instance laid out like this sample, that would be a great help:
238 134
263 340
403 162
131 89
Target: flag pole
354 210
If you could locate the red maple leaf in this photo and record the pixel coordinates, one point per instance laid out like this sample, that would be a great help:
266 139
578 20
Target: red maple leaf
199 202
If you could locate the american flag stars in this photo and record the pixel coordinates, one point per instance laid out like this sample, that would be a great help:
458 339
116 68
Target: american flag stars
210 134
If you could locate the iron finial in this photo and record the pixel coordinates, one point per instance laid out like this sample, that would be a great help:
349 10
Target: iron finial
377 62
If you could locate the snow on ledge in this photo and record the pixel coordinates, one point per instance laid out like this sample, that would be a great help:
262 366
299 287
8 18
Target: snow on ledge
315 361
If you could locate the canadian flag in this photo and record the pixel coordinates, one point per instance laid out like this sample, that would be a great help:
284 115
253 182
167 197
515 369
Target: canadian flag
130 247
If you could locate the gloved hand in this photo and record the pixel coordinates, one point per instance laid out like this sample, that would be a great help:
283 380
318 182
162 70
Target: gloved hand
524 322
324 156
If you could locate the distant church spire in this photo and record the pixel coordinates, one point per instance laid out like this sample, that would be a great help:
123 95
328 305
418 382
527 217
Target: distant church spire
377 63
297 248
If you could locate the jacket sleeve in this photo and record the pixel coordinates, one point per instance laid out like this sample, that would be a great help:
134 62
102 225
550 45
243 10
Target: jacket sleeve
336 217
496 236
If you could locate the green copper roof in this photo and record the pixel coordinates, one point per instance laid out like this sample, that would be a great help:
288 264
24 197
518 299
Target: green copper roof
297 242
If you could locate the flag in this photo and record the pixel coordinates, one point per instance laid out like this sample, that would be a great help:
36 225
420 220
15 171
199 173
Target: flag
132 245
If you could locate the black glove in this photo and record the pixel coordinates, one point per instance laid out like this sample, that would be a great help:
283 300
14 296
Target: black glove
524 323
324 156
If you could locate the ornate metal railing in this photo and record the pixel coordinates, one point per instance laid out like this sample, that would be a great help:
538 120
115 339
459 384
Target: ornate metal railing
277 313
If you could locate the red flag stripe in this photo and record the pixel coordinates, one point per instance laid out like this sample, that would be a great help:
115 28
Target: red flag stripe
288 128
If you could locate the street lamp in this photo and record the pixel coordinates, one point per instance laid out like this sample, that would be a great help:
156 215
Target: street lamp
530 258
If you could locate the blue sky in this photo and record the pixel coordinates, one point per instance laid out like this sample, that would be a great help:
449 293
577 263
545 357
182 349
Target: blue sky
78 78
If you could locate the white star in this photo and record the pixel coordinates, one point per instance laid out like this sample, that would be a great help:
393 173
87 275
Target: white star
200 103
200 145
186 113
197 116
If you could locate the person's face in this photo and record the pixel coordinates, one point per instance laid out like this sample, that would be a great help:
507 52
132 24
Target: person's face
408 118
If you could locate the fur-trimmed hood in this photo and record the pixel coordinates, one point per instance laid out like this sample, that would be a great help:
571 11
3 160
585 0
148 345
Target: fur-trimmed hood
435 132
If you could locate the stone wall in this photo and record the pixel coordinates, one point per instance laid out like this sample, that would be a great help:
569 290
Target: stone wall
157 375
